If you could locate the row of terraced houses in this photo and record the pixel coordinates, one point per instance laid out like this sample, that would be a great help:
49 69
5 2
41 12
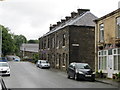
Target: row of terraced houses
82 37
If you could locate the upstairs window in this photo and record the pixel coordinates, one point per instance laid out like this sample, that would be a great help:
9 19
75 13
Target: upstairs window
63 39
101 35
48 43
118 27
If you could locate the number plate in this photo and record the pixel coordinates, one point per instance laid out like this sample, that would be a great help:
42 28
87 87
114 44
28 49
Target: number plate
87 75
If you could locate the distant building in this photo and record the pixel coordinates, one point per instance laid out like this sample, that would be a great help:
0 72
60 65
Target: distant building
28 50
108 43
70 40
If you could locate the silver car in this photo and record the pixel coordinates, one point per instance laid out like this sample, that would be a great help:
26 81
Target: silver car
43 64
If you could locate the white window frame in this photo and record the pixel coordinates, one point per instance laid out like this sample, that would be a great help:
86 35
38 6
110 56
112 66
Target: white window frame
118 27
102 54
116 54
101 32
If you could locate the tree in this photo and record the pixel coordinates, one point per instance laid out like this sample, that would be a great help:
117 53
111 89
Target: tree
8 46
11 43
33 41
19 40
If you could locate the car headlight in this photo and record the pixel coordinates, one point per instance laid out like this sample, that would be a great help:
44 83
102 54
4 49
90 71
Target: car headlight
8 69
80 72
77 71
93 73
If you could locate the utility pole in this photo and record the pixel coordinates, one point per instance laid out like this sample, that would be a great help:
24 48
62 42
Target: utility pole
0 40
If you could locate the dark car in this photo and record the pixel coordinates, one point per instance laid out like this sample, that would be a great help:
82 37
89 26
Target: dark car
80 71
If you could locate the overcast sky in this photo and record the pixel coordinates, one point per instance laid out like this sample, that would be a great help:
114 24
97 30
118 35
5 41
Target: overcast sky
32 18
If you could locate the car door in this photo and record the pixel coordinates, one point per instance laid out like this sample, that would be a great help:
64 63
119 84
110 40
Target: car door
71 70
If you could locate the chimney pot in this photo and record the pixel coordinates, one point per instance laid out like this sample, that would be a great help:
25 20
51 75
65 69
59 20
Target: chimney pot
80 11
62 20
58 23
73 14
67 17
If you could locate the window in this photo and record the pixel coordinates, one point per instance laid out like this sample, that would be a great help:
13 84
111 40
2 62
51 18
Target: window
63 39
119 51
57 41
57 62
118 62
101 36
102 60
64 59
115 62
44 44
118 27
53 42
110 52
115 51
48 43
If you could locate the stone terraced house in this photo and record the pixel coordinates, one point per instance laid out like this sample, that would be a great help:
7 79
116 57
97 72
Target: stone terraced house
70 40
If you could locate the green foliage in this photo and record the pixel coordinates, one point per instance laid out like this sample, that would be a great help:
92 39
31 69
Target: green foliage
7 42
18 41
119 75
10 42
33 41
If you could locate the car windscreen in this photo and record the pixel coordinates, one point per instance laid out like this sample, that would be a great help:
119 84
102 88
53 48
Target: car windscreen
44 62
83 66
3 65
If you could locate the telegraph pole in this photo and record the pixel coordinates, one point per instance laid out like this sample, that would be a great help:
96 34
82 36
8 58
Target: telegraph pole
0 40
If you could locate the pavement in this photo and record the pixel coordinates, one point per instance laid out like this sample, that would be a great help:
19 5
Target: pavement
101 80
108 81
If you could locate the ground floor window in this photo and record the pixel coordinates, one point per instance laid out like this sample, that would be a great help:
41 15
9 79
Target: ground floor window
118 62
104 57
103 62
115 62
64 60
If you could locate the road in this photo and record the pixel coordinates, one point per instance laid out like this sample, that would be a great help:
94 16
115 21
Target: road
27 75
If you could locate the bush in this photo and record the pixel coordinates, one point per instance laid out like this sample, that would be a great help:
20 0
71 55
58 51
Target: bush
101 74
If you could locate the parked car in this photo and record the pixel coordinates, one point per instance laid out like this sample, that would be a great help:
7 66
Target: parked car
4 68
43 64
80 71
3 59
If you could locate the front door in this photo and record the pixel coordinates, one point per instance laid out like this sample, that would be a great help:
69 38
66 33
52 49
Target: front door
110 66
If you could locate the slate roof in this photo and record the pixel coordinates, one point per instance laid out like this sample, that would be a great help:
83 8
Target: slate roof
84 19
29 47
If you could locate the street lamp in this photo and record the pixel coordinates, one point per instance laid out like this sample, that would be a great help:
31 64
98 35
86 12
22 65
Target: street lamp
0 40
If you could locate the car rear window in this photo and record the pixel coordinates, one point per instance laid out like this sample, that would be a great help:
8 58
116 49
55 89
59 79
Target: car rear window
82 66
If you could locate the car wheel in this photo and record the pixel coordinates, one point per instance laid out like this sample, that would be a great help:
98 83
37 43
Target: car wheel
92 79
68 76
76 77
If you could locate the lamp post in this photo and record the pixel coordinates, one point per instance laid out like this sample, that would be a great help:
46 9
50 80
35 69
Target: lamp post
0 40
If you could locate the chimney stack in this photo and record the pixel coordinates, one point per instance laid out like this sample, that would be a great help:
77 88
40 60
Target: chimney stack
73 14
67 17
58 23
80 11
51 27
62 20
